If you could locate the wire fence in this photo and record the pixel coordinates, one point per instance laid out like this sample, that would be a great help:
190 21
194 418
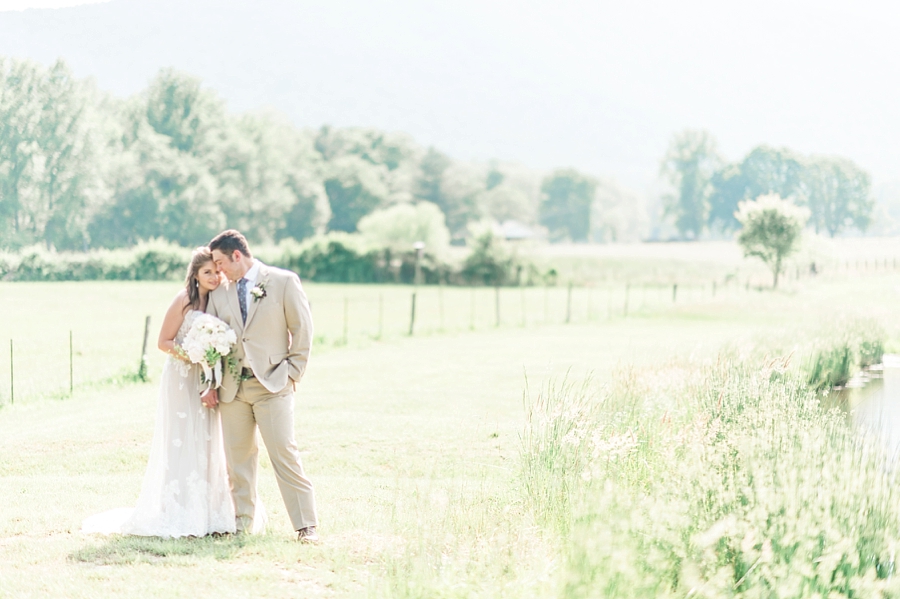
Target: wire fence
54 352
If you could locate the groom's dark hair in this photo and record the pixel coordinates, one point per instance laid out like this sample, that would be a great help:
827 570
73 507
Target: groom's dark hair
228 241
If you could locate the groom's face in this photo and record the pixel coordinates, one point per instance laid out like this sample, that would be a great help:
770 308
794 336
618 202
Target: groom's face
230 266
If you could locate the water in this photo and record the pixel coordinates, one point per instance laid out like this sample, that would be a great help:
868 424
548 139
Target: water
874 403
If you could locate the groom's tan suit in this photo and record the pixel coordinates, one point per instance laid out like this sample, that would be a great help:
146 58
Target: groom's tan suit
274 344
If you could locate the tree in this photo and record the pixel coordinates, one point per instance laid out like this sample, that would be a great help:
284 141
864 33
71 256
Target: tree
310 213
166 181
772 229
838 194
617 214
763 171
461 197
689 165
355 188
565 207
47 174
254 191
179 108
400 226
504 202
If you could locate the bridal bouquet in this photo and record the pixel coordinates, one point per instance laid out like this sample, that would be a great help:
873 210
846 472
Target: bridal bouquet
208 341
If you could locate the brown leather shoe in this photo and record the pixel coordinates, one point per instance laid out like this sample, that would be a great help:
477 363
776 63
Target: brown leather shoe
308 534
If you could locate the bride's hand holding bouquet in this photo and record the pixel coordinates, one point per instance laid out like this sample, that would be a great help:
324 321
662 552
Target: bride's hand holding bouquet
209 343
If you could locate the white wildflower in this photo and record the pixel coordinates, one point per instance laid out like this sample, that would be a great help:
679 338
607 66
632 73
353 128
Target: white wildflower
206 343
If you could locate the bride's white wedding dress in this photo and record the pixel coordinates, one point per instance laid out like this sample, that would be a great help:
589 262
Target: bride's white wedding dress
185 490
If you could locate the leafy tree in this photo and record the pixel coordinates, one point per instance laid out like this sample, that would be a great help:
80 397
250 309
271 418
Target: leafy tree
393 150
355 188
253 176
504 202
400 226
310 212
566 204
494 178
19 121
772 229
729 188
188 115
763 171
838 194
617 214
461 197
689 165
47 174
159 190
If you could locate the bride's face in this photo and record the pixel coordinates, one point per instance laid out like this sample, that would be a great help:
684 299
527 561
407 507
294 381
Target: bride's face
208 276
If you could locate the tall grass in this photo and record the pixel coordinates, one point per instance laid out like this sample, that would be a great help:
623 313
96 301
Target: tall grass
723 479
840 350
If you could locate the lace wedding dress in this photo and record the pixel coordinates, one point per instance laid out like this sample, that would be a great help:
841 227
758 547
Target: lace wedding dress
185 490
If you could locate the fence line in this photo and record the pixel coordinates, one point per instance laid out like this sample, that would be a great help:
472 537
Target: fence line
349 314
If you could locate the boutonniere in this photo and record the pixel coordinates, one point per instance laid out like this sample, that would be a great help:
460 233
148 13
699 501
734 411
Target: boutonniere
258 292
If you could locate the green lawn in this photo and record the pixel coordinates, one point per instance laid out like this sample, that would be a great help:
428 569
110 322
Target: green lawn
413 443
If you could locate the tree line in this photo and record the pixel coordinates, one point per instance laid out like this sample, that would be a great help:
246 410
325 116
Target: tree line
706 189
81 169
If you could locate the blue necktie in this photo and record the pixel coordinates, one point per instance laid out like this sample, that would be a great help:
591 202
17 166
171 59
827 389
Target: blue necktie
242 298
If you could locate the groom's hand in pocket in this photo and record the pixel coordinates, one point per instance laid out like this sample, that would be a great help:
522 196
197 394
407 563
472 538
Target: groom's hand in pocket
210 399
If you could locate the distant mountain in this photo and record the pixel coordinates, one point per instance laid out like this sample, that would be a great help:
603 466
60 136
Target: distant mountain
598 86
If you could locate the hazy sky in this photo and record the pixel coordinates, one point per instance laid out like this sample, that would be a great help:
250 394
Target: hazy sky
598 85
25 4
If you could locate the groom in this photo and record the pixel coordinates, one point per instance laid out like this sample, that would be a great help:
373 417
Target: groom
269 312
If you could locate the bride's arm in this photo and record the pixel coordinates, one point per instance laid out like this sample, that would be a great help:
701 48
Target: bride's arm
171 324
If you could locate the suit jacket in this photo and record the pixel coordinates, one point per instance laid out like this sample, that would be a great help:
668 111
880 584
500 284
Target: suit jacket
276 339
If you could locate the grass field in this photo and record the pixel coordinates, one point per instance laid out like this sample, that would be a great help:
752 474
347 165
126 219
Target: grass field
414 443
106 320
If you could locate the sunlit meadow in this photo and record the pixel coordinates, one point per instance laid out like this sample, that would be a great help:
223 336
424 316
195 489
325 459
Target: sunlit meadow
672 449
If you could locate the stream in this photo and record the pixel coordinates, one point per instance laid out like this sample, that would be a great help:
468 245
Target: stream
872 400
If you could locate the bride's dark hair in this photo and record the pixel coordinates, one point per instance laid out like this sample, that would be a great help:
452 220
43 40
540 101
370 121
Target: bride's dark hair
201 256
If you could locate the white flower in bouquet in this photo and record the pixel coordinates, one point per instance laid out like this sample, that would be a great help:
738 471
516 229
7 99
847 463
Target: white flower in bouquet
206 343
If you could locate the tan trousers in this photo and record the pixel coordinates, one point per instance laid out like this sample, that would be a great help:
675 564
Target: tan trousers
254 406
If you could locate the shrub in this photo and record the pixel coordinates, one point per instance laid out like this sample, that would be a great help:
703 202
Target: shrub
332 258
149 261
400 226
840 351
491 262
158 261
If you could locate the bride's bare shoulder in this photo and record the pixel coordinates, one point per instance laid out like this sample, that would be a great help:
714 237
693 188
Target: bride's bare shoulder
181 302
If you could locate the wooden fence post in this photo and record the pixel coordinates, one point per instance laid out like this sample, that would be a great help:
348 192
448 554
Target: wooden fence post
589 307
71 366
142 368
524 311
346 317
380 315
546 304
441 301
412 315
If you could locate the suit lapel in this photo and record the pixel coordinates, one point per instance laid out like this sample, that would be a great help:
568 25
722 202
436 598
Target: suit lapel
261 281
235 307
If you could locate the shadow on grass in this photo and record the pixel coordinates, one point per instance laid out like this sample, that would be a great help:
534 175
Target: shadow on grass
122 549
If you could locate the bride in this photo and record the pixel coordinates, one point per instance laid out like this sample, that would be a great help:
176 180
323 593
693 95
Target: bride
185 490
